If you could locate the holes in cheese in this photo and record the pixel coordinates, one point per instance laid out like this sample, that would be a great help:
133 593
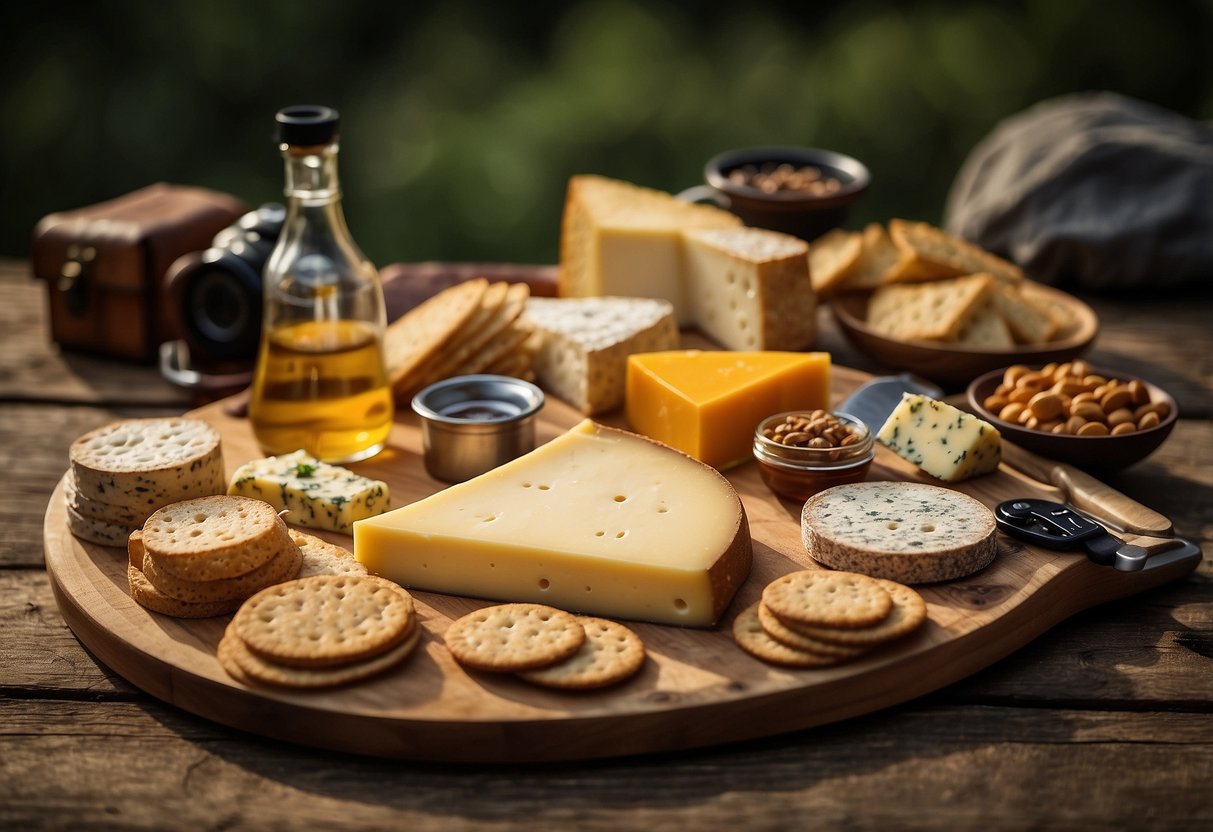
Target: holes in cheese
674 551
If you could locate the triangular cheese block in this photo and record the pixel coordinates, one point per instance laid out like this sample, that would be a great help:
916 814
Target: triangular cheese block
598 520
622 239
707 404
586 342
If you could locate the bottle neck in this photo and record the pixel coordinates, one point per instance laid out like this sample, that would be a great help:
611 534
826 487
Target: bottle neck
311 174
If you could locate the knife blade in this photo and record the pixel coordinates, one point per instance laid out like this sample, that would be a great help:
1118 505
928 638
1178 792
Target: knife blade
874 400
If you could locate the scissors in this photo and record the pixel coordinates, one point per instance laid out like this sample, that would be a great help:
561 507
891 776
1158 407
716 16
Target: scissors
1057 526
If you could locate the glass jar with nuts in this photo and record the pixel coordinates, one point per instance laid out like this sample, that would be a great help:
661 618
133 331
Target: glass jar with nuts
1071 399
803 452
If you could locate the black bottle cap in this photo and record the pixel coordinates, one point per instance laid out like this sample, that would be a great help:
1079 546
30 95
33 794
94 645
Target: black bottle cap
307 125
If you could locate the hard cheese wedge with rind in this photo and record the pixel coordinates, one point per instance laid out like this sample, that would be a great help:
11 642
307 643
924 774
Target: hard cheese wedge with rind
707 404
947 443
598 520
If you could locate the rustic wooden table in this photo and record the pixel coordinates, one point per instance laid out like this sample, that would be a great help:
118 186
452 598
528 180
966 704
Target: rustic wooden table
1104 722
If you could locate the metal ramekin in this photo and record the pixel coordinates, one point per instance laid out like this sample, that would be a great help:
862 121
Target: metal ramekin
461 446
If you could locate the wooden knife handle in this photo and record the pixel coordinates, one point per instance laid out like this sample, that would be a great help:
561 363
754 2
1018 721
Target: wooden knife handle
1085 492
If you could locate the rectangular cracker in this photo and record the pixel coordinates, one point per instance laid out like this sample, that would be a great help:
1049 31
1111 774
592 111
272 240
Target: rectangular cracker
934 311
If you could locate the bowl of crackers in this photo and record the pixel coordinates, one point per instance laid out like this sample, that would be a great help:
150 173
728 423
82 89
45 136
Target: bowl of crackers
917 298
1093 417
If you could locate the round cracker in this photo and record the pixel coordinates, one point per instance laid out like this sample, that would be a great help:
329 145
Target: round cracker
752 638
610 654
153 599
784 634
325 620
908 613
282 567
824 598
323 558
245 666
514 637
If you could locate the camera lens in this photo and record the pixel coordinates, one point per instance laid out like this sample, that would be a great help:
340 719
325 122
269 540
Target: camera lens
222 306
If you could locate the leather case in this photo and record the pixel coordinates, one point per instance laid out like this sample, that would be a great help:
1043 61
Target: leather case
104 265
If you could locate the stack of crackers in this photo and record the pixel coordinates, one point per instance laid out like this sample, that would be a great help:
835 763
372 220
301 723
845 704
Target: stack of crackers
819 618
472 327
124 471
546 646
320 631
929 285
201 558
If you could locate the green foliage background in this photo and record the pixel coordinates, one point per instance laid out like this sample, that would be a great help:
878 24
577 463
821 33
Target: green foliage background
463 120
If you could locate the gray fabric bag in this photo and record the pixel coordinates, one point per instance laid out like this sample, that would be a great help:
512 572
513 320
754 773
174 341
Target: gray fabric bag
1096 190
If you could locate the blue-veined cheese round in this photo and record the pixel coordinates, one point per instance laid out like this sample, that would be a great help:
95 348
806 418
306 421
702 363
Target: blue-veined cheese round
912 533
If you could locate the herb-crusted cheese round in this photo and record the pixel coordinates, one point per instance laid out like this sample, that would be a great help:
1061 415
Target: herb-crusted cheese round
912 533
143 464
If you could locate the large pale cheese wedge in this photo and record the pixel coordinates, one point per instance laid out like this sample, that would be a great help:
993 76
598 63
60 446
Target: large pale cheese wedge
707 404
598 520
624 240
942 440
585 344
749 288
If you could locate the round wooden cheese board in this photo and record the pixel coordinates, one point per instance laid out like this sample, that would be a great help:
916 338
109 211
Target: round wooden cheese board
697 687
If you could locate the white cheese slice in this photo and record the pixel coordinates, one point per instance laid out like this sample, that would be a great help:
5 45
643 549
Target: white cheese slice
947 443
316 494
598 520
912 533
583 355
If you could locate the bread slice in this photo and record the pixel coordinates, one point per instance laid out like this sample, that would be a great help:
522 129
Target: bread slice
1029 323
879 262
586 342
832 258
935 311
985 328
931 253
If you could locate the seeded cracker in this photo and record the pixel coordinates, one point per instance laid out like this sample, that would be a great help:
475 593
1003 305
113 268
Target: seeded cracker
832 599
909 613
611 653
245 666
325 620
514 637
799 640
752 638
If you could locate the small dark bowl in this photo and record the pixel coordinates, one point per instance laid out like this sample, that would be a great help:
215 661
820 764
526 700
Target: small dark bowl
1092 453
802 215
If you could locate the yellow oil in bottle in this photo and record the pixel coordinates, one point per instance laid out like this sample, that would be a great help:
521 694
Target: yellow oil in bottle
320 386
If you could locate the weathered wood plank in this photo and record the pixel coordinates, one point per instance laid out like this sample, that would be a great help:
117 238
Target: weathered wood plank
34 442
939 767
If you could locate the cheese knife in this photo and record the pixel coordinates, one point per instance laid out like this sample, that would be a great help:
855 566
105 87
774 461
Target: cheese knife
874 400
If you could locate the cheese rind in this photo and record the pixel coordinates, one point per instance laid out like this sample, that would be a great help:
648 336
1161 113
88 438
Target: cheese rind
585 344
598 520
947 443
708 403
912 533
316 494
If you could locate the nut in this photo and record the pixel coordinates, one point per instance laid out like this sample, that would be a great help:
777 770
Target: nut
1069 398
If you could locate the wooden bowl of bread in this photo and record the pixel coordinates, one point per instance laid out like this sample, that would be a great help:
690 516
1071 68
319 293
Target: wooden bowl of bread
917 298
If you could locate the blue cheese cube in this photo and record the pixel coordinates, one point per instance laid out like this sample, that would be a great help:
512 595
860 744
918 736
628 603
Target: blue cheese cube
316 494
947 443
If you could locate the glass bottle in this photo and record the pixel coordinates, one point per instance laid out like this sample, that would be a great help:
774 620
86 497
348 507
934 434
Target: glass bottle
319 383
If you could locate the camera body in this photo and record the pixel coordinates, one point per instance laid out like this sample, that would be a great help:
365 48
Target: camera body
216 295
